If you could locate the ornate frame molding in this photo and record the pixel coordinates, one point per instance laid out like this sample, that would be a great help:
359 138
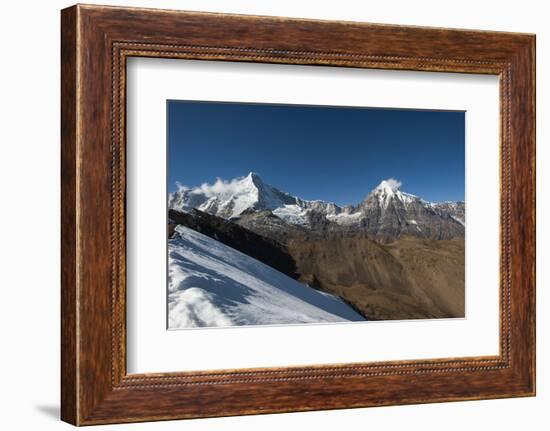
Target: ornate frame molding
96 41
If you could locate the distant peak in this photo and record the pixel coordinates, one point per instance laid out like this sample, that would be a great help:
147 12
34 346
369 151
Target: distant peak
387 191
254 179
391 185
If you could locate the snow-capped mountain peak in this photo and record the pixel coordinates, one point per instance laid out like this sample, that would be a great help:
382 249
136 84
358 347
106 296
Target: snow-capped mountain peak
229 199
254 177
388 190
252 180
389 186
226 198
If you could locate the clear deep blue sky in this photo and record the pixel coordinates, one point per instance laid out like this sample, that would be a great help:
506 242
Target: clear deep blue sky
335 154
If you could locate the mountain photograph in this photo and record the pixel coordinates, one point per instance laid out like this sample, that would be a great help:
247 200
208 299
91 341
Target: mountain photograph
323 236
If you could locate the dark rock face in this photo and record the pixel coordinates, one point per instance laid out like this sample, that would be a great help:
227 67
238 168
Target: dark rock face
268 225
390 214
263 249
457 210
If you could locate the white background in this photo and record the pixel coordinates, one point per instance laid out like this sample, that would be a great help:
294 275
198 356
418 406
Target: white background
29 224
151 348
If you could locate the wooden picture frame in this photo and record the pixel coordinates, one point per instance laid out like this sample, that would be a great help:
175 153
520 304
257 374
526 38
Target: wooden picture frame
95 43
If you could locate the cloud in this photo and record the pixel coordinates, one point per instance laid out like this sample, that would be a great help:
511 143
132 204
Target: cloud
390 183
181 187
220 187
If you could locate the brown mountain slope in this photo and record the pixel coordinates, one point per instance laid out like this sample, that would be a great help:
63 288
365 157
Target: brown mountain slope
411 278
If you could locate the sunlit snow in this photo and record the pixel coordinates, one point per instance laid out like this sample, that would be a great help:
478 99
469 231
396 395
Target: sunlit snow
292 214
211 284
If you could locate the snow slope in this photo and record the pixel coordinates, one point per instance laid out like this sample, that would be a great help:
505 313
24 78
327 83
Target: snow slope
211 284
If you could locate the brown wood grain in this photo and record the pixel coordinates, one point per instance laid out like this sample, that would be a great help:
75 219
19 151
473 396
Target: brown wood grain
69 367
96 41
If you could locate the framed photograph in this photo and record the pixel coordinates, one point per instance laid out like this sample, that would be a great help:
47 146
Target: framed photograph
266 215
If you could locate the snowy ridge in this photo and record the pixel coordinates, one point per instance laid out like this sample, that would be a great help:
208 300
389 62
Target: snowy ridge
456 210
211 284
458 220
346 218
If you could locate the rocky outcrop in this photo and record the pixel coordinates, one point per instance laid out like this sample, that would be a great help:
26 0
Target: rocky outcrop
389 213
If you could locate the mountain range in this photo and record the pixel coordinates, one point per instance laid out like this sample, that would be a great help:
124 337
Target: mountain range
386 213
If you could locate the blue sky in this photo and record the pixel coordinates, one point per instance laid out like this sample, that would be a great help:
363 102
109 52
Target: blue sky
336 154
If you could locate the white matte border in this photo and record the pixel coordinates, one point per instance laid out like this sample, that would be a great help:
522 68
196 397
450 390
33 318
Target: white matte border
152 348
